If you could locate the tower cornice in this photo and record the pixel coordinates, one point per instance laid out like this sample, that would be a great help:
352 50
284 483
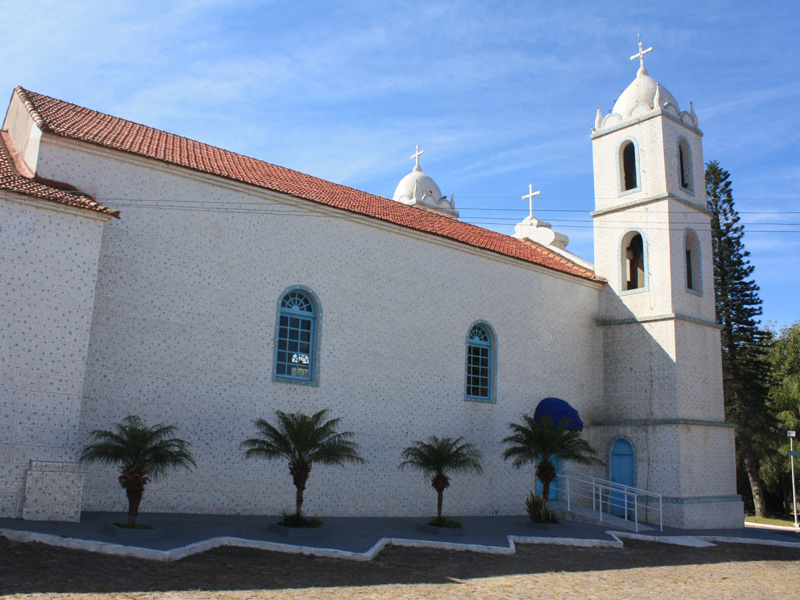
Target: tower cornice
649 200
651 115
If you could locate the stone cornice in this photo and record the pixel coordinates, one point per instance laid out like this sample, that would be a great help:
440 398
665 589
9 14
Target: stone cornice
665 317
649 200
651 115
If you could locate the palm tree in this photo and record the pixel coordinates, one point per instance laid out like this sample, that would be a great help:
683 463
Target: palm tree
144 454
303 440
439 456
545 445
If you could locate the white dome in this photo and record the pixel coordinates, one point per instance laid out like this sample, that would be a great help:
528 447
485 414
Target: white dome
643 91
417 187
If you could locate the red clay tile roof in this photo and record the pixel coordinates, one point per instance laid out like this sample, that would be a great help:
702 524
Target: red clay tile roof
13 179
71 121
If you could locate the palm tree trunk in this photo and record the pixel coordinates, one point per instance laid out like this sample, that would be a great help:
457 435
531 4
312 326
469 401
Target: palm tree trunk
546 490
299 500
440 494
134 494
300 471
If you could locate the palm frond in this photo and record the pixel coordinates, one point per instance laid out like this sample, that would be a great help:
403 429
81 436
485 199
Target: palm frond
532 442
137 449
303 439
439 456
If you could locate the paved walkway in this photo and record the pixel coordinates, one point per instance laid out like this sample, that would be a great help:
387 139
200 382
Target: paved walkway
357 538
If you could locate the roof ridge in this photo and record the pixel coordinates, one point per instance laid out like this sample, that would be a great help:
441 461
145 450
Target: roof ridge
23 95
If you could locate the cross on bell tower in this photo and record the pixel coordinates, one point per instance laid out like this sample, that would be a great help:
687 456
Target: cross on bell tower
416 156
641 53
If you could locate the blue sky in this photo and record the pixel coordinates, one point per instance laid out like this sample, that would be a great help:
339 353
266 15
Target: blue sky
497 94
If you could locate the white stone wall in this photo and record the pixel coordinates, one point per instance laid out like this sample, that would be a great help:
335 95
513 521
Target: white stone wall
690 465
184 331
698 302
662 374
24 131
48 267
639 382
656 140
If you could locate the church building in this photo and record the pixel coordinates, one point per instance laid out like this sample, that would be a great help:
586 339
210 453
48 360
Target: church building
146 273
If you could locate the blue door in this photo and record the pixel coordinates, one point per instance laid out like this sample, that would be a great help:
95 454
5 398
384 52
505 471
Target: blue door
621 472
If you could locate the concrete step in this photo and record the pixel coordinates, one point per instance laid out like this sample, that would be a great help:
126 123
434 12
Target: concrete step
580 514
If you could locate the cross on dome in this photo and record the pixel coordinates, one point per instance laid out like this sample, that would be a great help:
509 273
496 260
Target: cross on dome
416 156
641 53
529 196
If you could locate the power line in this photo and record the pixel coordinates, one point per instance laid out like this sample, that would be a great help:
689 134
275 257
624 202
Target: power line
213 206
261 203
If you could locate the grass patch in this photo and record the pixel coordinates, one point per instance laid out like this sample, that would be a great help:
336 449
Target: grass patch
134 526
445 522
771 521
300 521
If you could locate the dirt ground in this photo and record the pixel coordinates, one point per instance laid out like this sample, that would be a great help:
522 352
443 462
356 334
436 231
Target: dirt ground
641 570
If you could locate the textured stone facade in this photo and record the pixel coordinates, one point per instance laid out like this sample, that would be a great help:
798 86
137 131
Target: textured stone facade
48 268
185 318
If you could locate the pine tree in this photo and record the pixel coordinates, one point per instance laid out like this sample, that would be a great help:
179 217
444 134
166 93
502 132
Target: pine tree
744 345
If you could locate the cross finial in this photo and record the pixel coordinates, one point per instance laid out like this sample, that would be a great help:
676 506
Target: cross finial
529 196
641 53
416 156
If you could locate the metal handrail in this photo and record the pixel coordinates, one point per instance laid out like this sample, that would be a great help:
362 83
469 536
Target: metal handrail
599 486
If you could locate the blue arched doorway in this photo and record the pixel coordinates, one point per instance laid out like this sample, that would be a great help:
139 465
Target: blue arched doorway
621 472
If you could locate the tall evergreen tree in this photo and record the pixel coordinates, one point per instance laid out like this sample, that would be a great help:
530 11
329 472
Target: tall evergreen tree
744 345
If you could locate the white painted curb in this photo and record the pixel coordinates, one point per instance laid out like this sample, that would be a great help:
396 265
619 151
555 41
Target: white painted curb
197 547
700 541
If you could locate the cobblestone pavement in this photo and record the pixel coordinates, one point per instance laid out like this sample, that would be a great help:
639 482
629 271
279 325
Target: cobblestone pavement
641 570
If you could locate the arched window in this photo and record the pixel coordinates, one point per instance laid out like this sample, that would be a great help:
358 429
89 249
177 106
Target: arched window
294 349
479 363
633 272
693 276
685 164
628 175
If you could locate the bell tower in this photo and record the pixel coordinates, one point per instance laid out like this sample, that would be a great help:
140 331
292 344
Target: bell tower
662 388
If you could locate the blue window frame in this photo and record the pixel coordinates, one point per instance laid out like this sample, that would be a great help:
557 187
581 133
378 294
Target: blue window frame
294 358
479 363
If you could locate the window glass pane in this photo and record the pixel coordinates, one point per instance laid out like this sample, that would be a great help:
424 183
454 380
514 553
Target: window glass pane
478 362
295 336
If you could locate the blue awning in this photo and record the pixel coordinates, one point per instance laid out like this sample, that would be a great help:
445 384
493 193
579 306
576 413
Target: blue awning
558 409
